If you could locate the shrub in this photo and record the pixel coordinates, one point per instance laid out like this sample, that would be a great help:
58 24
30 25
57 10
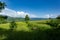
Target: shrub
58 17
13 25
53 23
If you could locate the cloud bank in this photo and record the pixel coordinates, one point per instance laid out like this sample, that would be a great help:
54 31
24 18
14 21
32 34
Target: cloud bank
13 13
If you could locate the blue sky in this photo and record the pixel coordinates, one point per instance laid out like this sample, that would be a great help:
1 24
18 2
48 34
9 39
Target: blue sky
38 8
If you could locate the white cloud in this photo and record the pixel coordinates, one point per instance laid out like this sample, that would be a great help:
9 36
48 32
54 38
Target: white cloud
47 16
50 16
23 14
13 13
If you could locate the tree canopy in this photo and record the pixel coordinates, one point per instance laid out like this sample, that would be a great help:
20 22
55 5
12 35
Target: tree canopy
2 6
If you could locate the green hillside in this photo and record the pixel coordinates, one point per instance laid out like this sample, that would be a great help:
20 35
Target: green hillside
33 30
24 26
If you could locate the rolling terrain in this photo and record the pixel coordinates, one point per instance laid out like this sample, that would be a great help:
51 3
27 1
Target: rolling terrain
34 30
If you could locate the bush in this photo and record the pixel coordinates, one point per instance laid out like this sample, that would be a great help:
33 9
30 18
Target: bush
54 23
58 17
3 19
13 25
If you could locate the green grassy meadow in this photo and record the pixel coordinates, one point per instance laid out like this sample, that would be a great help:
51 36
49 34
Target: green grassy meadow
34 30
24 26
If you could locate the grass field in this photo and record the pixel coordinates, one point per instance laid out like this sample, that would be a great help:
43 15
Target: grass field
24 26
34 30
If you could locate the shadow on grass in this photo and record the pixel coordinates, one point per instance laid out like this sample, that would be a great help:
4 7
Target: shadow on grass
53 34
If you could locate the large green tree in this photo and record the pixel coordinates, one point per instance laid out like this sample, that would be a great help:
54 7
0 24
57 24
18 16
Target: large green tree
27 18
2 6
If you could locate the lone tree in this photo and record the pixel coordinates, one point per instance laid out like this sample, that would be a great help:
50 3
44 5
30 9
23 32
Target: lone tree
58 17
27 18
